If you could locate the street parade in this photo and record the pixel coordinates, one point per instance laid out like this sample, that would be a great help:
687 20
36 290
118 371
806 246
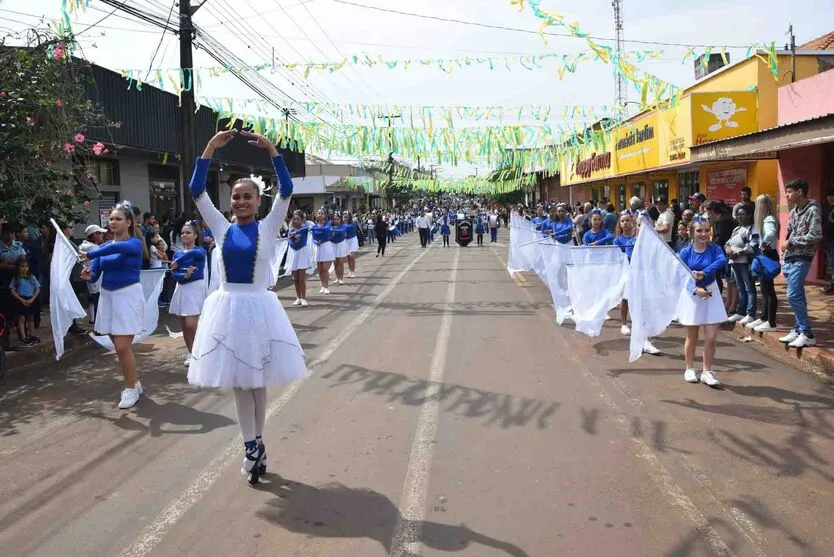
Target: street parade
259 298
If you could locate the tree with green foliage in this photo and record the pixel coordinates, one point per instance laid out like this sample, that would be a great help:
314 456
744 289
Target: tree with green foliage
44 113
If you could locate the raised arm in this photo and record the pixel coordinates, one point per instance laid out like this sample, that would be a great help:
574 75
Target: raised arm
214 218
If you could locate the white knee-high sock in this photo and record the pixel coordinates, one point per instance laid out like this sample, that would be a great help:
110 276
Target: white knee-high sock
246 411
260 410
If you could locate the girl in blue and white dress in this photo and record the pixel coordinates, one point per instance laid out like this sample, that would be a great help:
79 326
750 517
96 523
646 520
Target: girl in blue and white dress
340 246
323 249
188 271
121 308
351 237
700 305
299 258
245 340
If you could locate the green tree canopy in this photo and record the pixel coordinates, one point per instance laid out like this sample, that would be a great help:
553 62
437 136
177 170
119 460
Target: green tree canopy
44 114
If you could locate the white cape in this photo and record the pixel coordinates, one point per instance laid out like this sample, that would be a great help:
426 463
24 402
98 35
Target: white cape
656 278
151 281
64 306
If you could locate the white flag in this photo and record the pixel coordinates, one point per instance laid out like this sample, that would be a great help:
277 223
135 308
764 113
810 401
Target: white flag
151 281
64 306
556 257
596 278
275 259
657 277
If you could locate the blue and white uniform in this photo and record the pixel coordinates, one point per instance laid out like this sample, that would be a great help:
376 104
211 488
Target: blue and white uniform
323 247
337 238
190 293
245 340
350 237
300 255
121 306
692 309
601 238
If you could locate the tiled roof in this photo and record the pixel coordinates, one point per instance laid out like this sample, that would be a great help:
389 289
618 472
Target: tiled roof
825 42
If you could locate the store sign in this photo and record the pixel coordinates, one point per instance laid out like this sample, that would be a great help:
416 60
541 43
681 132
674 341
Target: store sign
104 217
637 145
718 116
585 168
725 184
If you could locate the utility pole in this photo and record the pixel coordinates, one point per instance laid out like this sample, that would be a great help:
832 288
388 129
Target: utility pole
793 52
620 89
188 118
390 117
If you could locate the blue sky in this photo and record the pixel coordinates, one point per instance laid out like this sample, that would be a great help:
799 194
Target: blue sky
120 42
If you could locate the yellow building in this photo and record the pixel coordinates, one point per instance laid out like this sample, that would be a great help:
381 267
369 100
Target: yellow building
648 156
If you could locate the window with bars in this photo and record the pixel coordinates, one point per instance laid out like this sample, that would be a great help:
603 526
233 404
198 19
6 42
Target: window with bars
688 186
104 172
621 197
660 188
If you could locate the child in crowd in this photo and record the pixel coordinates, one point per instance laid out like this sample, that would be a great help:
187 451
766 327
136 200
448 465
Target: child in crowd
25 290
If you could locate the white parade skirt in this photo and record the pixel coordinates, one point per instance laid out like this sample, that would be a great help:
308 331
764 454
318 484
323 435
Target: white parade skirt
324 252
188 298
340 249
244 341
298 259
121 312
353 244
693 310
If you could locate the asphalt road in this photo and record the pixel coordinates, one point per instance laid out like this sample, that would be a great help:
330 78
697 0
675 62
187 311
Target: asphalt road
444 413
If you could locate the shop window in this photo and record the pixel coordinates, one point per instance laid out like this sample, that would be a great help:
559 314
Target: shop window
639 190
104 172
621 197
660 189
606 193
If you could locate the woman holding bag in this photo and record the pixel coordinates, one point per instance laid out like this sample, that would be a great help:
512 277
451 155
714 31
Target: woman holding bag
768 226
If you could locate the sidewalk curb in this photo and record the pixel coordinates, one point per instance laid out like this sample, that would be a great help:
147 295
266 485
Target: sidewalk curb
811 359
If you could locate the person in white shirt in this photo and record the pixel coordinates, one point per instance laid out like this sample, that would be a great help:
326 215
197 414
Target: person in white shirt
665 220
493 226
94 238
423 224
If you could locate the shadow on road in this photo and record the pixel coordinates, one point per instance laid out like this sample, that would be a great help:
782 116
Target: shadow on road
185 419
493 408
338 511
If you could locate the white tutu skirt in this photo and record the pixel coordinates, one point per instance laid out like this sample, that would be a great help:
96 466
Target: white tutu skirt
188 298
244 341
340 249
298 259
324 252
121 312
693 310
353 244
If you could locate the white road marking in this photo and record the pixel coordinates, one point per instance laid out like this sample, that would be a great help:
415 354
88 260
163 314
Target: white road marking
408 530
657 471
151 535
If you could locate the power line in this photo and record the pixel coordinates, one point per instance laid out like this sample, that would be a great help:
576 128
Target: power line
528 31
161 38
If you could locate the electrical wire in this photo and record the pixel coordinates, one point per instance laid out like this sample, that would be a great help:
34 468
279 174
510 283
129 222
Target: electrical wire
161 38
527 31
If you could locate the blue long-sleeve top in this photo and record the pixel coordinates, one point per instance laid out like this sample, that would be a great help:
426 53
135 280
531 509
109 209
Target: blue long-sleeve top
121 263
602 238
194 257
241 241
298 237
350 230
539 221
321 234
560 230
709 262
479 226
337 234
444 229
626 244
